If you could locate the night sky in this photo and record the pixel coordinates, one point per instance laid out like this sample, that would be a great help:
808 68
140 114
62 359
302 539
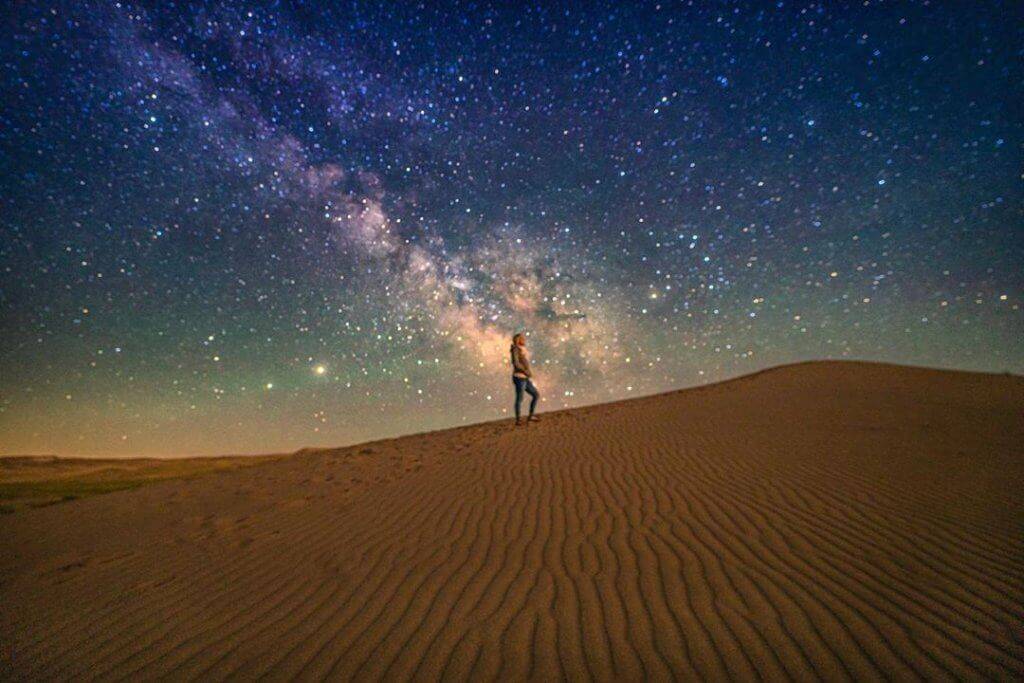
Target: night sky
253 227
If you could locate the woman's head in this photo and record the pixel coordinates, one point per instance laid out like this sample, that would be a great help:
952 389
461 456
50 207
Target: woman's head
518 339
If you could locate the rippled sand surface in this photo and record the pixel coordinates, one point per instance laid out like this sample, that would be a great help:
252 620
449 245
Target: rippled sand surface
823 520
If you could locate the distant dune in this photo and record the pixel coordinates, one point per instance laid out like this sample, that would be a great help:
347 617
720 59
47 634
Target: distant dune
39 480
822 520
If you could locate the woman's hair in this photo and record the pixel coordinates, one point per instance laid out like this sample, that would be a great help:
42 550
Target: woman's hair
516 336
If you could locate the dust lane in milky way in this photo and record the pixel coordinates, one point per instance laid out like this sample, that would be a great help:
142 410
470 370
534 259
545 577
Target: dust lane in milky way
244 228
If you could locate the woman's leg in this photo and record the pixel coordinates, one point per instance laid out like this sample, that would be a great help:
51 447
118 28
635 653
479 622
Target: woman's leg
519 394
532 390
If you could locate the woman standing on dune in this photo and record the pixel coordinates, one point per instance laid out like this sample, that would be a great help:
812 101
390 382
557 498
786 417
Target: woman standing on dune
522 377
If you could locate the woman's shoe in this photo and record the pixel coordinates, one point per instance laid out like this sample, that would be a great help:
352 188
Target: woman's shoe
534 418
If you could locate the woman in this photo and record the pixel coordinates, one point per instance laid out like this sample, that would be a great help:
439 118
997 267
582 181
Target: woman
522 376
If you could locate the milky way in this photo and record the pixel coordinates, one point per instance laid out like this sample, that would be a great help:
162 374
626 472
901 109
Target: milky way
251 228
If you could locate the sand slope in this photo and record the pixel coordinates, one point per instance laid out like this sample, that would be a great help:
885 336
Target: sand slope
833 520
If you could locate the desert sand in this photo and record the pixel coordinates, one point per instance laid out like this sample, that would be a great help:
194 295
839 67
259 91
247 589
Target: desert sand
844 521
36 481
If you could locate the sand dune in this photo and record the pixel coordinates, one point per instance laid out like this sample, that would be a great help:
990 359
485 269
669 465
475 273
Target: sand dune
37 481
823 520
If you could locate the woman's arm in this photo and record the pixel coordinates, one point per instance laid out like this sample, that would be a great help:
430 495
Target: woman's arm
525 359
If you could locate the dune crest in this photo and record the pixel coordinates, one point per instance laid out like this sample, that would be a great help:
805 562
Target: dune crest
822 520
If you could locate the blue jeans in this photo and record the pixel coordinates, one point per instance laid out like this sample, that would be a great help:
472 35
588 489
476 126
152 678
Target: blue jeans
524 384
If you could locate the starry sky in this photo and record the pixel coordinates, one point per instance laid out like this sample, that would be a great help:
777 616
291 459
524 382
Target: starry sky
254 227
